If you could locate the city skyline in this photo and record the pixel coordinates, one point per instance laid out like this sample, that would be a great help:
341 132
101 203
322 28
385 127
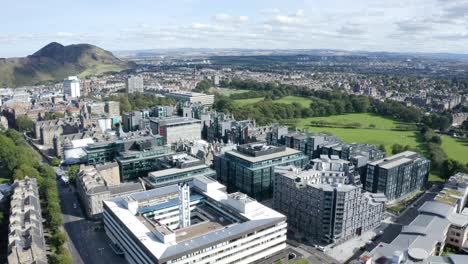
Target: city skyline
395 26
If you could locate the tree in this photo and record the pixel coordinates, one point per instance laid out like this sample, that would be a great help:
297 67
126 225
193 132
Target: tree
58 238
73 172
55 162
203 86
450 167
382 148
125 105
397 148
24 124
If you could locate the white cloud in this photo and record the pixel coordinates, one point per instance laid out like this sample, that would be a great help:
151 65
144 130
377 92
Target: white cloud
228 19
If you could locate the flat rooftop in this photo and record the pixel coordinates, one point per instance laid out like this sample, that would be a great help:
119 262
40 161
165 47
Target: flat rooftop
187 93
286 152
167 121
396 160
211 222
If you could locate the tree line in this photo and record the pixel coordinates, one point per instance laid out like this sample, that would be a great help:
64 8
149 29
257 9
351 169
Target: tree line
323 103
138 101
18 160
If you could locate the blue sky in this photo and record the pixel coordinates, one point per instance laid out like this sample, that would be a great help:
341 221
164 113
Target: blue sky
374 25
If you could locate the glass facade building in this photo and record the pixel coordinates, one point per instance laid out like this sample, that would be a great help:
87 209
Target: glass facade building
250 168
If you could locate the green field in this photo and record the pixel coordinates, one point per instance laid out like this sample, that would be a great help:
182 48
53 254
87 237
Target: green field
242 102
381 134
456 149
304 102
365 119
226 91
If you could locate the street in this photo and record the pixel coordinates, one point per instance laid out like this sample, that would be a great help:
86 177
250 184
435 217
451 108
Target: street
86 244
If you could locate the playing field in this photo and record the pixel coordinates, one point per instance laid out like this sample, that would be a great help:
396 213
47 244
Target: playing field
242 102
381 134
455 148
226 91
305 102
365 119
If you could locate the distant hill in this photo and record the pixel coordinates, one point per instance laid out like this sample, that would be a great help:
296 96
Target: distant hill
55 62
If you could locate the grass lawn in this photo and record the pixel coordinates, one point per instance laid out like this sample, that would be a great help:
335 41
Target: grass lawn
435 178
242 102
226 91
380 135
303 101
365 119
455 148
4 180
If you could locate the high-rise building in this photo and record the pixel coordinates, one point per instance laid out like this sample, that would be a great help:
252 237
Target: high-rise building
323 205
135 84
398 175
222 228
250 168
71 87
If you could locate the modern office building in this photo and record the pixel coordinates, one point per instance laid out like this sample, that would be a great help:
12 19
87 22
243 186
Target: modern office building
137 153
197 222
138 156
192 97
135 120
177 168
175 129
323 205
250 168
102 182
440 223
135 84
162 111
71 87
26 243
398 175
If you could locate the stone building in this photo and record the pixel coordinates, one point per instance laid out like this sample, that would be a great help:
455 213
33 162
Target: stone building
26 243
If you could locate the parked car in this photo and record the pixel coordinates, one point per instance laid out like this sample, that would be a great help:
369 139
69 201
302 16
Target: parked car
320 248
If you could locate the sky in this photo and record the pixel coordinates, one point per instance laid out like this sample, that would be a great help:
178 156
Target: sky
115 25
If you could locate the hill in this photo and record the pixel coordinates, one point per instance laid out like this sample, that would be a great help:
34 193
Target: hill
55 62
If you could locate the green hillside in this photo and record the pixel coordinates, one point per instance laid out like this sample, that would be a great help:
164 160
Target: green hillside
55 62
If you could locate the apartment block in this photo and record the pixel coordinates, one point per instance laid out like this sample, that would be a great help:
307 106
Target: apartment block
323 205
397 176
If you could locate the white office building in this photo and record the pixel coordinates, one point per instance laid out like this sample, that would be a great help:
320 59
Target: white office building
71 87
192 97
218 228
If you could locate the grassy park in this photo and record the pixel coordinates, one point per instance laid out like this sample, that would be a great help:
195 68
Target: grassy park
381 132
455 148
304 102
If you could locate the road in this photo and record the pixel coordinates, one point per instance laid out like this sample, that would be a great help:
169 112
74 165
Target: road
311 253
408 215
87 244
